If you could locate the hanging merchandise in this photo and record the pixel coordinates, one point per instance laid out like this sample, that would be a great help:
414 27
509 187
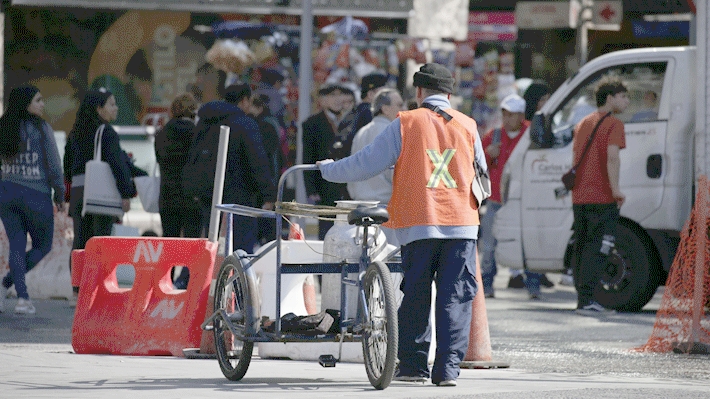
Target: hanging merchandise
412 49
465 54
230 56
347 53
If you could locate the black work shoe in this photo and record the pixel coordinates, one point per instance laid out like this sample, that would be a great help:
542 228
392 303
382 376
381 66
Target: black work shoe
545 282
516 282
410 378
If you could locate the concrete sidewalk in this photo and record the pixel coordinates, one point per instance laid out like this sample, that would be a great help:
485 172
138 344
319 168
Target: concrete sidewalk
553 354
54 372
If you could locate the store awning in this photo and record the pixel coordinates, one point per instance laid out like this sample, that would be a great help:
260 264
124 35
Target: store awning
356 8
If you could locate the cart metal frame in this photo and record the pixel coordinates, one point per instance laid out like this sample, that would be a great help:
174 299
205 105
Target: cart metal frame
236 283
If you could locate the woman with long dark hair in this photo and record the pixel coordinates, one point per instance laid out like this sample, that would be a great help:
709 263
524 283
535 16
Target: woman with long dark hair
31 169
96 109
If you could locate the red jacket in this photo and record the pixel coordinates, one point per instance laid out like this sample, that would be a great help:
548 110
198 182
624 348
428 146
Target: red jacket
496 165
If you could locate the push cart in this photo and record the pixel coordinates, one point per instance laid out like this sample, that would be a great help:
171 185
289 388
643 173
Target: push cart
237 323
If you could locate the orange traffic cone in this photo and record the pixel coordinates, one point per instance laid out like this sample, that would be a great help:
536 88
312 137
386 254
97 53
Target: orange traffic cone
478 355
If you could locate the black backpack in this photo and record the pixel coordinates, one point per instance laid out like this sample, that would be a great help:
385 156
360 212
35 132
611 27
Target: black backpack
199 170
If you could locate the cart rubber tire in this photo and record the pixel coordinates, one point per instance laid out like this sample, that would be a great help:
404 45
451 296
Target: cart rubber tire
380 336
235 290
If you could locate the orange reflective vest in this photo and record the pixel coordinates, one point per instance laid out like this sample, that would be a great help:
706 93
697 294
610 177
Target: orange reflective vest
433 175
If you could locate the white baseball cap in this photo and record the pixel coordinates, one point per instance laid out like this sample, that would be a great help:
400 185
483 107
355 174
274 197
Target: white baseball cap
513 103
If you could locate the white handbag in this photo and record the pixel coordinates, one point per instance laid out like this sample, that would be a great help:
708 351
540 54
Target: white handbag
101 196
148 188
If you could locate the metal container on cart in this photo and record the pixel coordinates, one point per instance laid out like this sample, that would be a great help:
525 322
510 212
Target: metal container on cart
342 243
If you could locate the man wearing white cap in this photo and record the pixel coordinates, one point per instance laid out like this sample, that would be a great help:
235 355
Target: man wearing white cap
498 144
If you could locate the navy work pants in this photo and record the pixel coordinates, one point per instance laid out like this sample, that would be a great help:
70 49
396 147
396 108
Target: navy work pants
451 264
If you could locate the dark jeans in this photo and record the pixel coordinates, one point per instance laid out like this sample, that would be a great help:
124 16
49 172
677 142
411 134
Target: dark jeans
451 264
591 223
89 225
177 222
244 230
186 222
24 210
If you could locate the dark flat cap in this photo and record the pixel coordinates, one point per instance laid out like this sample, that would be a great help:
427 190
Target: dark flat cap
371 82
435 77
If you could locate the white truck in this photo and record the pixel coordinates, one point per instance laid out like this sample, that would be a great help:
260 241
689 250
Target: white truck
658 172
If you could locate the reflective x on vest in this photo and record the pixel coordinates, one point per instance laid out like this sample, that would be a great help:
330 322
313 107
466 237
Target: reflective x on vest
441 168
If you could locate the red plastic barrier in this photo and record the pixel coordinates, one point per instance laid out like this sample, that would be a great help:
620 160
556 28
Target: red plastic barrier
207 342
77 265
150 318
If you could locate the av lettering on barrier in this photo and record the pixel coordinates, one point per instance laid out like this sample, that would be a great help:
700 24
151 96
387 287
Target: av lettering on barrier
167 309
148 251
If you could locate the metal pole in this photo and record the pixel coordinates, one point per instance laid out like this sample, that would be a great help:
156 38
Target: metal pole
305 80
218 188
583 43
2 59
583 31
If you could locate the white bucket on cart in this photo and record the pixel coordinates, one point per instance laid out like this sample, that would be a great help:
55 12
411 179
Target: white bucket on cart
292 300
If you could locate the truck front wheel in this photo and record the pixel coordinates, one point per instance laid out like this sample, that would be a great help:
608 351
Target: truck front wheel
631 276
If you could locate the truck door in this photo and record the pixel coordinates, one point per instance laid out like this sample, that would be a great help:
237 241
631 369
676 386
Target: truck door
547 217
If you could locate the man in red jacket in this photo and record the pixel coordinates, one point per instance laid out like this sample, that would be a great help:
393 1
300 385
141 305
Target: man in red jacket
498 145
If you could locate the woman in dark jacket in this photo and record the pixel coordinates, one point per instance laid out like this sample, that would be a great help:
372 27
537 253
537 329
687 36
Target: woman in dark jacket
31 169
97 108
172 143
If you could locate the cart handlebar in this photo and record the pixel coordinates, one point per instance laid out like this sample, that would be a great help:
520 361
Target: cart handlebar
282 179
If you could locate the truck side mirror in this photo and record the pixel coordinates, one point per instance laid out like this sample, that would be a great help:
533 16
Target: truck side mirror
541 131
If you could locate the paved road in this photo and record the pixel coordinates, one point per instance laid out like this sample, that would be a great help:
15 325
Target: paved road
553 353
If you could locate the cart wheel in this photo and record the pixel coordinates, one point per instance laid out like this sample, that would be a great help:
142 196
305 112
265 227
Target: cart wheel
380 335
236 294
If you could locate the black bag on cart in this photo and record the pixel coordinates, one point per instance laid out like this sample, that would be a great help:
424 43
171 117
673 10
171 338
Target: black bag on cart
315 324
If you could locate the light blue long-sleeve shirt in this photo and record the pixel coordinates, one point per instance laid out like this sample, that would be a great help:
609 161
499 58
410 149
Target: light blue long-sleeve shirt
383 153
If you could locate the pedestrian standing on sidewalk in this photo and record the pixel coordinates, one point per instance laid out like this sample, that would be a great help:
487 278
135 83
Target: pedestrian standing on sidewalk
96 109
499 143
172 143
320 142
178 216
386 105
596 197
370 86
31 170
435 216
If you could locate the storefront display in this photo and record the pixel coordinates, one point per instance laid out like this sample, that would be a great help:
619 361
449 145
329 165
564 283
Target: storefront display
489 75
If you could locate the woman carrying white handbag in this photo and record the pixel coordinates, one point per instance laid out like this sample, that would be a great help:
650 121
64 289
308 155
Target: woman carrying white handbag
92 124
